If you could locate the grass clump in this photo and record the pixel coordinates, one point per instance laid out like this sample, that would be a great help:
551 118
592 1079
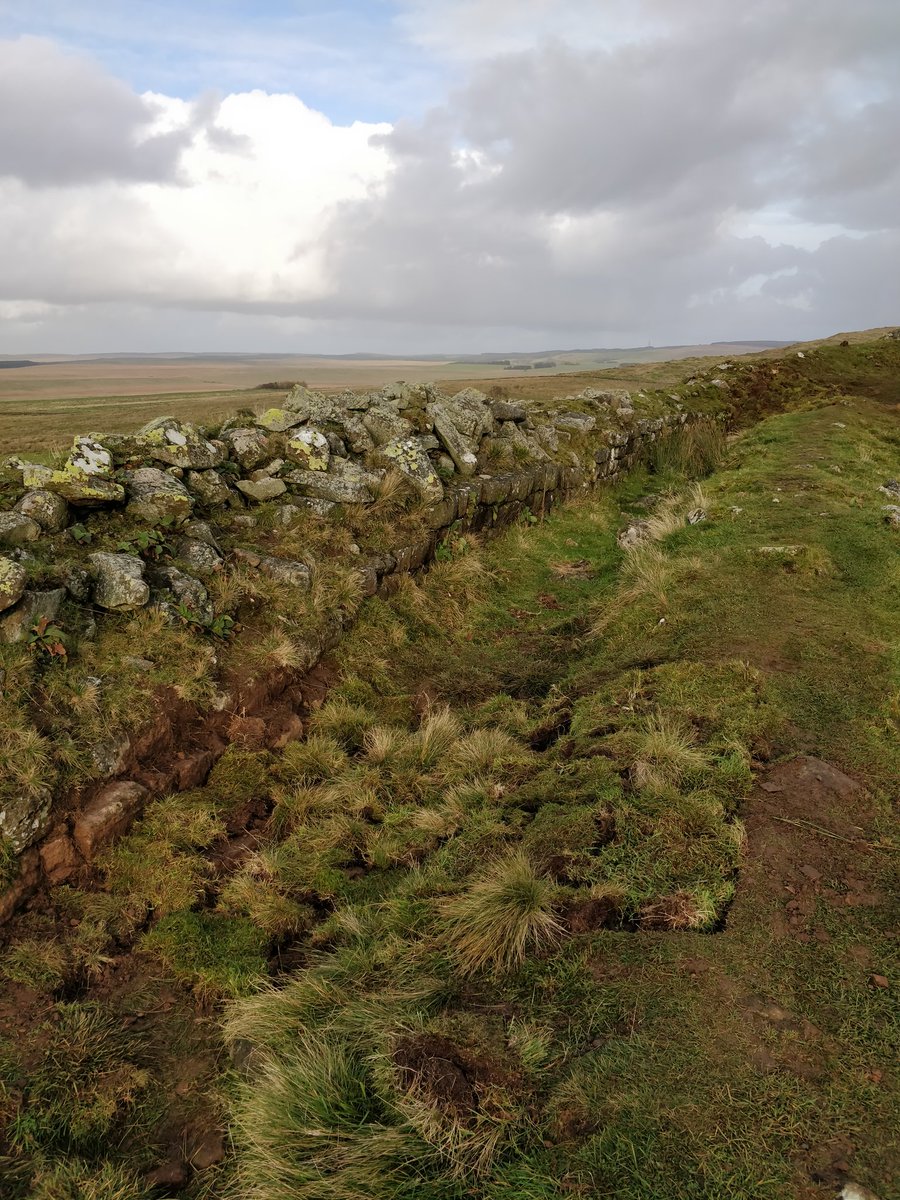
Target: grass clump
217 955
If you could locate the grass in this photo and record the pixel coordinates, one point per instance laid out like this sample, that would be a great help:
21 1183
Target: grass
481 939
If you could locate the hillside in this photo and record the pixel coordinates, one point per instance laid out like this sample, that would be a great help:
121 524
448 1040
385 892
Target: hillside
515 815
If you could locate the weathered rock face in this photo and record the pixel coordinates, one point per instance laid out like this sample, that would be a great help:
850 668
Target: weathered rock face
17 623
89 456
16 529
345 483
386 427
171 587
283 570
310 406
263 489
407 456
250 447
200 556
209 487
308 448
277 420
25 817
108 816
177 443
155 495
576 422
13 578
460 422
49 511
80 488
119 582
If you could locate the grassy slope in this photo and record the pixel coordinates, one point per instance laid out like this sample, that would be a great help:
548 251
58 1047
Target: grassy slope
607 710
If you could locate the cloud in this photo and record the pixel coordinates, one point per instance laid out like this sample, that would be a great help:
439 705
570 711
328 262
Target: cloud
601 173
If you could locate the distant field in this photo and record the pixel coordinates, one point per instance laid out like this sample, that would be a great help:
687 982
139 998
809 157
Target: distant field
43 406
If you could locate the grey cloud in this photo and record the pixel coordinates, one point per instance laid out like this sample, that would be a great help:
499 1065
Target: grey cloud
64 121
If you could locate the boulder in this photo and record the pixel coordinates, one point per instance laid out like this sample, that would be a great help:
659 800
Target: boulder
345 483
90 457
891 515
505 410
310 406
470 413
278 420
201 531
16 529
250 447
263 489
108 816
386 427
575 422
308 448
25 816
50 511
81 488
177 443
17 623
355 434
12 582
119 582
155 495
461 449
407 456
209 488
59 859
203 559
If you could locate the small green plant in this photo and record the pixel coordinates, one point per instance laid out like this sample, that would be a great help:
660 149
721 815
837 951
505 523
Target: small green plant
81 534
47 639
219 625
149 544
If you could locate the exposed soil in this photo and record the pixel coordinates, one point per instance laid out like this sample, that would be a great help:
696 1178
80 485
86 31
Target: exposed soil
448 1076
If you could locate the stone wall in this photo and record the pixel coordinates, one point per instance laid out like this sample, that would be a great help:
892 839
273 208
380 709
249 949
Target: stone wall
469 463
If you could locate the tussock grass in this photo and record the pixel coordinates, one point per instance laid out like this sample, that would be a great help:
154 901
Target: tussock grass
503 916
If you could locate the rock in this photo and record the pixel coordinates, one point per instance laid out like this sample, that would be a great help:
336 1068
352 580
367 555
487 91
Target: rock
16 529
120 582
386 427
576 422
24 817
633 534
201 531
79 582
108 816
504 410
170 1176
250 447
155 495
891 487
278 420
470 413
355 434
311 406
80 488
891 515
209 487
261 490
696 515
209 1151
50 511
317 506
879 981
186 590
295 574
408 457
288 515
90 457
59 859
17 623
177 443
202 558
345 483
308 448
12 582
268 471
461 449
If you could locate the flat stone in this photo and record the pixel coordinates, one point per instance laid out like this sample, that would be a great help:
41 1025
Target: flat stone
338 488
17 530
576 422
50 511
108 816
81 488
407 456
120 582
277 420
308 448
505 410
261 490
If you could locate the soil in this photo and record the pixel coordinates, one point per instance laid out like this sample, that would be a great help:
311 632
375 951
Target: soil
451 1078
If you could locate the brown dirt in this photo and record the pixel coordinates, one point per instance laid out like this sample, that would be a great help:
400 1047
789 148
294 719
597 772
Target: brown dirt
450 1077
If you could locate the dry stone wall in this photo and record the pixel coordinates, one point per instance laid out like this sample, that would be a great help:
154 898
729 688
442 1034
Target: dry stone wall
472 463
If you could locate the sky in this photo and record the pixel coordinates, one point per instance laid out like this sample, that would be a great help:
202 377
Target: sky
445 176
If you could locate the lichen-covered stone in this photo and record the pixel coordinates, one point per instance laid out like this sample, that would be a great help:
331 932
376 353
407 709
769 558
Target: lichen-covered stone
16 623
200 556
209 488
283 570
263 489
386 427
249 447
462 449
178 443
407 456
90 457
310 406
308 448
119 582
49 510
171 587
13 577
83 489
277 420
505 410
24 816
576 422
155 495
345 483
16 529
